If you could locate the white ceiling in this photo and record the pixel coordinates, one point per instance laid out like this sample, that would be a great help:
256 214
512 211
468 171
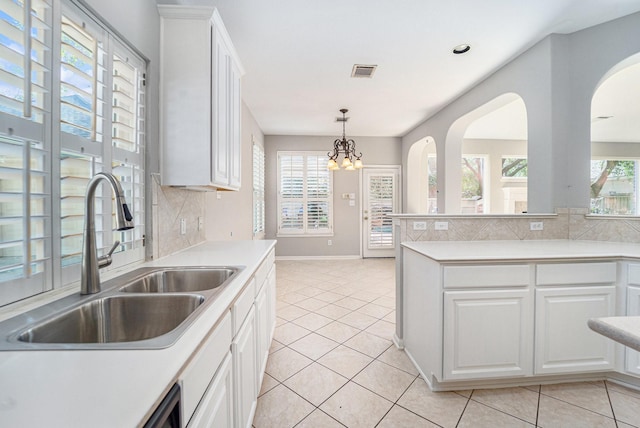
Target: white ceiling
298 54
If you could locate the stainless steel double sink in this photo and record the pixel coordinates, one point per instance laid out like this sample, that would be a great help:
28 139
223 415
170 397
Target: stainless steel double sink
147 308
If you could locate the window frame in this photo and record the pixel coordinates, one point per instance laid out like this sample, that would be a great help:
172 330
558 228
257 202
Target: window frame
305 231
57 142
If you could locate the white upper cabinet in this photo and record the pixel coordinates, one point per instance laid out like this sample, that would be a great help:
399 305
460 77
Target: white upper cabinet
200 100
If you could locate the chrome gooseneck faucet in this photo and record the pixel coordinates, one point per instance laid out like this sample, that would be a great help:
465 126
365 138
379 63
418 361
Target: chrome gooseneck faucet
90 279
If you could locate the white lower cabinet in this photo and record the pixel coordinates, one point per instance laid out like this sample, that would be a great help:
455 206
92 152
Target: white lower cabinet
262 330
216 407
243 349
271 296
487 334
265 321
632 357
197 377
564 343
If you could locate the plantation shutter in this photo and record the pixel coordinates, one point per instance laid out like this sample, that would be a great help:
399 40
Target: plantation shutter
258 191
305 194
127 141
25 150
71 105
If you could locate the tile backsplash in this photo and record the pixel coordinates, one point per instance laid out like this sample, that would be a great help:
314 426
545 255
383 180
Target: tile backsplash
169 206
565 224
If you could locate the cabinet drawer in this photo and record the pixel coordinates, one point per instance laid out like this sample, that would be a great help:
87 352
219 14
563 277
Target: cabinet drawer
486 276
575 273
263 271
198 374
241 307
634 274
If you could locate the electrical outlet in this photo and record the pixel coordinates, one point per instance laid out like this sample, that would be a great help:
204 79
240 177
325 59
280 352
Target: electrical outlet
200 222
536 225
183 226
442 225
419 225
329 242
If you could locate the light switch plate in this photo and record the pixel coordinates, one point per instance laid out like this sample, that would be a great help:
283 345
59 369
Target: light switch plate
442 225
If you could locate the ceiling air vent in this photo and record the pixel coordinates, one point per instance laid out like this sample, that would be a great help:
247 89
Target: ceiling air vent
360 70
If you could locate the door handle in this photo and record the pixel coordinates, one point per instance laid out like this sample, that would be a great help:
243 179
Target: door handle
366 218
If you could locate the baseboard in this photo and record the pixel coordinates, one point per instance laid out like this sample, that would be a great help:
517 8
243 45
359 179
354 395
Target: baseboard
294 258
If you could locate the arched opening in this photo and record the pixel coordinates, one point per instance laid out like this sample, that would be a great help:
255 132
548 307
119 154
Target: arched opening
615 141
421 177
486 164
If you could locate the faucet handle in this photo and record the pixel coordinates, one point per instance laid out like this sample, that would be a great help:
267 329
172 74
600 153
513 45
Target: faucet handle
104 261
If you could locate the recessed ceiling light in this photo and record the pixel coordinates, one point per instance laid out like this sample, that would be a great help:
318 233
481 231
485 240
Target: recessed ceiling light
460 49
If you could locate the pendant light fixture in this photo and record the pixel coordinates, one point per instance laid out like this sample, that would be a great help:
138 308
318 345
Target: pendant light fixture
351 160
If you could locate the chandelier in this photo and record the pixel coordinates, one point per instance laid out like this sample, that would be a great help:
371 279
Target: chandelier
344 147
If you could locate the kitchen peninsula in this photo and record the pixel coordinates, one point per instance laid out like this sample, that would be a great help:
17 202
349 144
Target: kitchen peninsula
494 313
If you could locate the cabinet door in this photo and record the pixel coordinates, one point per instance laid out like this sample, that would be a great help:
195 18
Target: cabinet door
234 119
216 407
271 296
243 349
262 330
564 342
632 357
487 334
220 143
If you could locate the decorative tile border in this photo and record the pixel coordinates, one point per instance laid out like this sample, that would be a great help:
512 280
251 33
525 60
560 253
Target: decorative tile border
565 224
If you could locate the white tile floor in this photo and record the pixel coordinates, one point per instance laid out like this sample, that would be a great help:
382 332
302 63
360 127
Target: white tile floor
332 364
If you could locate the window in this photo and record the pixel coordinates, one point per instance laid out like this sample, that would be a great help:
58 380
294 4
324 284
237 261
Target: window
473 176
614 189
432 184
514 167
305 194
70 108
258 191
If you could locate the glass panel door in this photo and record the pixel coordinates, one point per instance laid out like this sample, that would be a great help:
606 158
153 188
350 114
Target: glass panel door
380 199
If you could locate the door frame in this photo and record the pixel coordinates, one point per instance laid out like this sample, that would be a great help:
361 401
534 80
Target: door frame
398 170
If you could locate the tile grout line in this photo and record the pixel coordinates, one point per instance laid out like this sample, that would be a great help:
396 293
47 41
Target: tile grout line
538 406
613 412
577 405
465 408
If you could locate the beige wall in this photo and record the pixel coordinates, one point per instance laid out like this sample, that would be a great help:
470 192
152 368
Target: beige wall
229 215
346 221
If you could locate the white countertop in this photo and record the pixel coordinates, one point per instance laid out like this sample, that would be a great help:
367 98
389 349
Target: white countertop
115 388
625 330
482 251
